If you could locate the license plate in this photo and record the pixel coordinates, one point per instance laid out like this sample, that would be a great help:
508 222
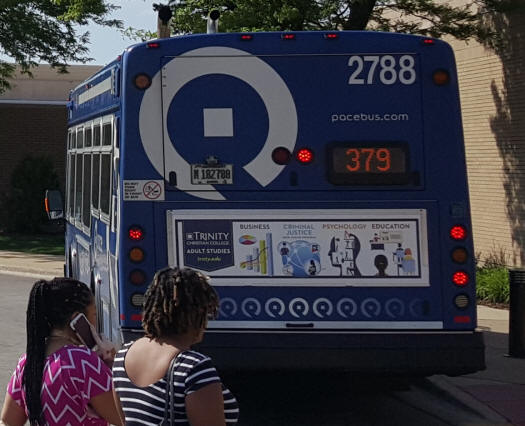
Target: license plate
221 174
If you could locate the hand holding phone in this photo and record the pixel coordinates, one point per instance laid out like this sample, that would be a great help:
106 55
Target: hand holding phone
83 329
106 350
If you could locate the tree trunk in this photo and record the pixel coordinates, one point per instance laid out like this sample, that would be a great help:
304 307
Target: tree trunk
360 11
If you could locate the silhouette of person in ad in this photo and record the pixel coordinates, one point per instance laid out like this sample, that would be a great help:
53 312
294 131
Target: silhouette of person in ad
381 263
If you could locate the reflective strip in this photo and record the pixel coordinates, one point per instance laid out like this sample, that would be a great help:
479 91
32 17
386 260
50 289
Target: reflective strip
385 325
94 91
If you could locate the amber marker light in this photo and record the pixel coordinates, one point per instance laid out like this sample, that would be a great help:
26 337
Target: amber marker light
142 81
136 254
441 77
459 255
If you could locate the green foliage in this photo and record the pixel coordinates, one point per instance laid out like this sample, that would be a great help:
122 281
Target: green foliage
492 285
23 208
35 31
426 17
37 244
248 15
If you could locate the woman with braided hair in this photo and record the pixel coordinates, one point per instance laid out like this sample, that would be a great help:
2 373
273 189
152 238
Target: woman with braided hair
177 305
58 381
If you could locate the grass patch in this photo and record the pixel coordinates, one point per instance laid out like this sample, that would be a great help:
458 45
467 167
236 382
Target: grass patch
492 284
36 244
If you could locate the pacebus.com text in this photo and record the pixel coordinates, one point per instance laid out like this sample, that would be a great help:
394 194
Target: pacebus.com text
369 117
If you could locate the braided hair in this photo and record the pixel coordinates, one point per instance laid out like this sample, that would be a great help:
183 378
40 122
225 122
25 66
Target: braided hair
51 304
177 301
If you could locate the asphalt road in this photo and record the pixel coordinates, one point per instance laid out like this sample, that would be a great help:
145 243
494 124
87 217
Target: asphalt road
13 304
278 399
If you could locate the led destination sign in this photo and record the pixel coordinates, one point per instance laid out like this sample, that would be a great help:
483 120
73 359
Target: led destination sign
362 164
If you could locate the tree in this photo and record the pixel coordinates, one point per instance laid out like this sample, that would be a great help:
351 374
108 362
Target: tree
33 31
426 17
23 207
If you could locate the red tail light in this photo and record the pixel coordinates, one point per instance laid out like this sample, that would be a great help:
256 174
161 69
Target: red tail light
463 319
135 233
458 232
305 155
460 278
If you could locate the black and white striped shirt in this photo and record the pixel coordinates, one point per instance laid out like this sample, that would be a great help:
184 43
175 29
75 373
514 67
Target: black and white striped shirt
145 405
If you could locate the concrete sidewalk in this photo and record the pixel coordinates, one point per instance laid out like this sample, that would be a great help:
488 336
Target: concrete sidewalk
31 265
497 393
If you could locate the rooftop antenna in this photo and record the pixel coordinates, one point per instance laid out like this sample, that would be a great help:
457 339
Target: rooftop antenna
164 15
212 25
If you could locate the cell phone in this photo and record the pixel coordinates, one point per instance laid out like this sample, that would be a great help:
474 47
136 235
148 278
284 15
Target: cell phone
81 326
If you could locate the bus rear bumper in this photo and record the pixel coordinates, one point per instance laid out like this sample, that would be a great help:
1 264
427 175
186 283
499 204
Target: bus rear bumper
412 353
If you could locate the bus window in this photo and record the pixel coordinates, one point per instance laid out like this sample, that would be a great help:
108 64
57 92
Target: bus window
71 185
105 182
87 141
78 189
96 134
95 180
80 137
86 193
106 134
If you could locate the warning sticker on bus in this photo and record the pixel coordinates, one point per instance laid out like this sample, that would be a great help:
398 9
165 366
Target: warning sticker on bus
143 190
378 248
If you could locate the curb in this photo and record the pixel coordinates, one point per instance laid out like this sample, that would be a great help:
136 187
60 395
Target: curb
27 273
31 265
487 413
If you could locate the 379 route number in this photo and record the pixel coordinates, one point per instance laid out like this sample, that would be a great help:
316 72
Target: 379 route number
387 68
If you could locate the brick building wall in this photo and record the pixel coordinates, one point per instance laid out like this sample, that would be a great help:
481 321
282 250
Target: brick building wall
33 118
29 129
492 90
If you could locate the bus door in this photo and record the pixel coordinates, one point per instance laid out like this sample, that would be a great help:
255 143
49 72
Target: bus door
103 233
113 240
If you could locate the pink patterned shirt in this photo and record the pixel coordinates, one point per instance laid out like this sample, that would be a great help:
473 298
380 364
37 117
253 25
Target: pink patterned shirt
72 376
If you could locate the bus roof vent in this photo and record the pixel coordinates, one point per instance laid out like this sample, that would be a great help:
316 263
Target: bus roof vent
164 14
213 22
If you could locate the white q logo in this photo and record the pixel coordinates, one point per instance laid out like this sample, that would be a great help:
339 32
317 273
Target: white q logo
282 115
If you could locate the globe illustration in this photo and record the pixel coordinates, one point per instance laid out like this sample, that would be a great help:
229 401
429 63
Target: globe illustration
303 259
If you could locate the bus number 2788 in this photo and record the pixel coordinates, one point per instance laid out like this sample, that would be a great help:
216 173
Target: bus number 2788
389 70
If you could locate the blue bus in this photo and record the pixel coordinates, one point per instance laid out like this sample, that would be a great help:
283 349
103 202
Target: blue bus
318 178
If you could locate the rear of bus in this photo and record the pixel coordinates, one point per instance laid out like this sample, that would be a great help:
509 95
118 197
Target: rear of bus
319 179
